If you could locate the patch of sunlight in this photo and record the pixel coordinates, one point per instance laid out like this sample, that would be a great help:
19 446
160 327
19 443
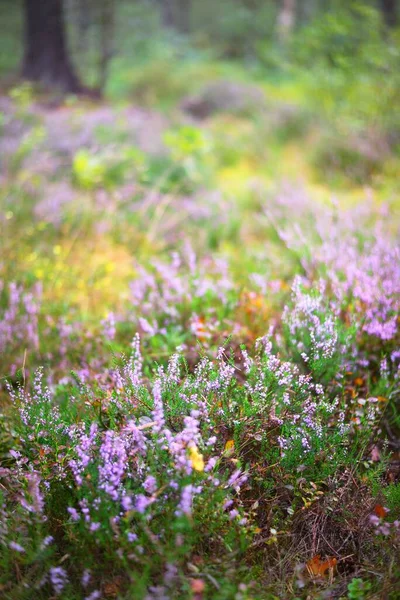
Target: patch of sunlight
287 91
92 275
237 179
294 162
297 166
345 197
229 122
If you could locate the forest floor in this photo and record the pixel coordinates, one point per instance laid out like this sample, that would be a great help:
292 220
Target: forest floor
215 314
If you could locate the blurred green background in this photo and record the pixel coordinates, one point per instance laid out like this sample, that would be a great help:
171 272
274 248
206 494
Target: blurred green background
328 69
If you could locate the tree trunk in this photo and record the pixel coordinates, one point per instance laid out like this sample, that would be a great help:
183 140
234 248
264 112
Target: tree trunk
46 57
183 16
167 13
389 10
175 14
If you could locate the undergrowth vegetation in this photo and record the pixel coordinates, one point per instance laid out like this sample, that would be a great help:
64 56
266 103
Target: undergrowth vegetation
199 319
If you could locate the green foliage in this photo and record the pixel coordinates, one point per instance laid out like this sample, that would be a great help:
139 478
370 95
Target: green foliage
340 159
350 63
392 496
302 411
96 170
358 589
88 170
28 145
22 96
11 32
234 30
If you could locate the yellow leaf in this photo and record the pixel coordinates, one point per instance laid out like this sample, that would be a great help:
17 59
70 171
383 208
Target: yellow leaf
196 459
229 446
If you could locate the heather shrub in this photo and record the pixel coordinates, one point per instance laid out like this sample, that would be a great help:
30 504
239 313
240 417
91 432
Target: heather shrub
148 467
129 474
199 348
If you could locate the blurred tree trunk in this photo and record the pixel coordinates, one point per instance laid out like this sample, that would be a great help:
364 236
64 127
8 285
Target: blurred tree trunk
175 14
307 9
106 39
389 10
167 13
183 20
286 19
46 58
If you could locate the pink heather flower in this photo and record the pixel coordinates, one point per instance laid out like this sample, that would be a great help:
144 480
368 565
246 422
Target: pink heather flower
114 461
94 595
16 547
37 505
171 573
59 579
211 464
247 361
108 324
186 501
158 411
135 365
142 502
86 576
127 503
150 484
74 513
147 327
395 355
135 437
237 479
83 450
47 541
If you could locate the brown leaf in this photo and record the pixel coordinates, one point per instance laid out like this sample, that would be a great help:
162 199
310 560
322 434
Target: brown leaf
318 568
112 589
380 511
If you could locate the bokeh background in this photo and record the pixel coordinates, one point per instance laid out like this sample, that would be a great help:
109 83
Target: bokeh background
132 129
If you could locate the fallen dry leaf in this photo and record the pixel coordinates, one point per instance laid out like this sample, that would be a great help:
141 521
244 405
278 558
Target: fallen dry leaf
318 568
380 511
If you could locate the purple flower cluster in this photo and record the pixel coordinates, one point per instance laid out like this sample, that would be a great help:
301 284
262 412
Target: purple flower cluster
311 322
19 327
166 292
356 254
58 579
